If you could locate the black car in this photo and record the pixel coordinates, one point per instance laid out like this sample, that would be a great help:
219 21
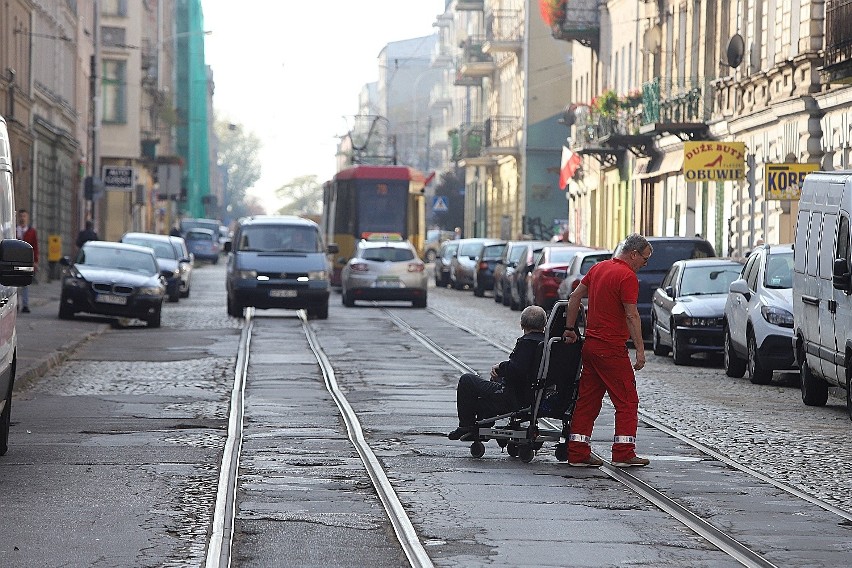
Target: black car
443 262
168 258
667 250
689 307
486 261
505 267
113 279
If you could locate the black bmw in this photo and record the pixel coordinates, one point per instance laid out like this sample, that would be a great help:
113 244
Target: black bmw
113 279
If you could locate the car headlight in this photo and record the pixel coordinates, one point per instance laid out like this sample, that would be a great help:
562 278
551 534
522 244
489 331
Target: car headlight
72 281
247 274
777 316
318 275
150 291
687 321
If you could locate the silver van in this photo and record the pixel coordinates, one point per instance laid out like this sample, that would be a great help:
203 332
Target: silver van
822 286
278 262
16 269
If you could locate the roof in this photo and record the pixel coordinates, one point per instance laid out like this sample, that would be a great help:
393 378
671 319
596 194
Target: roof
380 172
276 220
148 236
709 261
115 245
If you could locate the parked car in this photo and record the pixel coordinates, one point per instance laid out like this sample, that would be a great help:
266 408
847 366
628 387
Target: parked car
579 267
442 263
504 268
384 270
463 263
689 307
759 316
434 239
486 260
548 272
186 263
518 278
189 223
203 244
167 258
667 250
113 279
278 262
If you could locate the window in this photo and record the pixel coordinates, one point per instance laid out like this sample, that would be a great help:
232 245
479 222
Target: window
750 270
826 254
843 250
114 91
114 7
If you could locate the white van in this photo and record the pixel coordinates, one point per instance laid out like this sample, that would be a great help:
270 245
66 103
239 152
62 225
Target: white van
16 269
822 304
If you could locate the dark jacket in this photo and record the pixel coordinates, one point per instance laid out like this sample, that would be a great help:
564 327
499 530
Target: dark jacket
520 369
85 236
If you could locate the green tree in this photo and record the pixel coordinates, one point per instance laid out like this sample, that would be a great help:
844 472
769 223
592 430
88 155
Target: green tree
238 156
301 196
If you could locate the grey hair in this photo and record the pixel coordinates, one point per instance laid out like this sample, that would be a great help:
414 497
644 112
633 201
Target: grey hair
533 317
635 242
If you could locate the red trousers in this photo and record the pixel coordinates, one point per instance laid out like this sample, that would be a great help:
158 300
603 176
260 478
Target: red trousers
606 369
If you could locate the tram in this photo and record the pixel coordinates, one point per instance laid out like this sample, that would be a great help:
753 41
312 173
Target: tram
367 199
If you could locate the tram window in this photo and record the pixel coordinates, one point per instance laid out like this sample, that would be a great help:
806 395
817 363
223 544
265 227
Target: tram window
382 213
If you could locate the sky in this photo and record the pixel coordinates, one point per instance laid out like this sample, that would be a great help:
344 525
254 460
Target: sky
290 71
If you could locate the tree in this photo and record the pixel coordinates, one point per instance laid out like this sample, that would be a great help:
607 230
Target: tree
302 196
238 156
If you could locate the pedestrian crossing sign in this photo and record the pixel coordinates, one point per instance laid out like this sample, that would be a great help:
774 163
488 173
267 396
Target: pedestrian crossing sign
439 204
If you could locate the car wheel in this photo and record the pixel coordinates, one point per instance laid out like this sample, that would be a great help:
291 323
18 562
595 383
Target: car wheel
234 308
848 390
814 389
507 297
185 294
757 374
419 302
430 256
175 296
497 297
216 260
680 357
478 292
348 300
734 366
154 320
66 312
6 420
456 284
659 349
319 312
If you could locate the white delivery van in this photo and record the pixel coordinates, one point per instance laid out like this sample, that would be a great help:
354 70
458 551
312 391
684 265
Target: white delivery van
822 286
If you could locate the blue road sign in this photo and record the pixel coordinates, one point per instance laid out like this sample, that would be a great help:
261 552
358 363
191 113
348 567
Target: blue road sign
439 204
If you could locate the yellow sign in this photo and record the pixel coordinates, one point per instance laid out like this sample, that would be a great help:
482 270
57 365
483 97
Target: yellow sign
784 181
54 248
713 161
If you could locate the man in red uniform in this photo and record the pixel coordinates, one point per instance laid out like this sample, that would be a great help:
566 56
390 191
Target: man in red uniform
611 319
26 232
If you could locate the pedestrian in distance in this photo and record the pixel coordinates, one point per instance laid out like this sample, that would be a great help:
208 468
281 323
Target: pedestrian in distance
27 233
611 319
87 234
175 231
509 386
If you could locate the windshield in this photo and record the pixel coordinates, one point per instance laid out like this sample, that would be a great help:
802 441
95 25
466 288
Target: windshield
704 280
279 238
470 249
119 259
590 261
517 252
161 249
779 271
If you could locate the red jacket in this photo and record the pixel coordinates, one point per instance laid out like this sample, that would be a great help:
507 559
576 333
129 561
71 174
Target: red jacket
30 237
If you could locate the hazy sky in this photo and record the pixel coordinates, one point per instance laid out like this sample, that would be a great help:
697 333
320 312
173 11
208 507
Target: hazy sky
290 70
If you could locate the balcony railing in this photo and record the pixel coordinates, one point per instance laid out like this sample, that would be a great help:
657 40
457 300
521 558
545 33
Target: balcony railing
838 41
503 30
581 23
463 80
470 5
466 141
501 134
593 127
475 62
666 102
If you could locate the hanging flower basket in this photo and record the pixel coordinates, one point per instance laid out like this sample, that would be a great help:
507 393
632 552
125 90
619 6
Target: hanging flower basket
552 11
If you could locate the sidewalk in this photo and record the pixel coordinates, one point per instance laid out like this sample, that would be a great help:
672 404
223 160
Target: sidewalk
44 340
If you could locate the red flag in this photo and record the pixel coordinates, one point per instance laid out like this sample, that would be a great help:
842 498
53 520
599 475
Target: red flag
570 163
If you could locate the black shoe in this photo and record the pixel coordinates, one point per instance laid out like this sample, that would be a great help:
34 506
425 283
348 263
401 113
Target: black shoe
25 310
460 433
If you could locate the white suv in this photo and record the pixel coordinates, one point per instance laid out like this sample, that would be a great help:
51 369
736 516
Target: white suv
759 316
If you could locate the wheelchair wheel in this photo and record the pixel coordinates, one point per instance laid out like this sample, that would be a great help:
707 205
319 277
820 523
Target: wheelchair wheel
512 449
477 449
502 442
562 452
527 454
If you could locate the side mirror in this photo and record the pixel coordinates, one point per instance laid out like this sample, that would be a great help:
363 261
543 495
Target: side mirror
668 291
65 261
840 276
227 246
740 286
332 248
16 263
341 261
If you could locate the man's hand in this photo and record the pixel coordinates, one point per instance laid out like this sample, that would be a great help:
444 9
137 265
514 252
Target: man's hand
569 336
640 361
494 370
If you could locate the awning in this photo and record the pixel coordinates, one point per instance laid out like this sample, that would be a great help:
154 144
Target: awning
668 163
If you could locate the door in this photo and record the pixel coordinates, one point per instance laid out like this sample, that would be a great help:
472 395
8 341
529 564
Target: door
738 315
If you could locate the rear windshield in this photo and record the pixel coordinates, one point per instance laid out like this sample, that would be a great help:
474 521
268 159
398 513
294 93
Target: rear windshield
391 254
161 249
562 256
492 252
779 271
667 252
590 261
517 252
469 249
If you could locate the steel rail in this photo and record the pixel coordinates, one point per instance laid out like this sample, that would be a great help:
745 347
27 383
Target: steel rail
219 547
407 536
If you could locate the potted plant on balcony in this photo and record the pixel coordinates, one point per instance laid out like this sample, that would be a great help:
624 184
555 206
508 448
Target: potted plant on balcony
607 104
552 12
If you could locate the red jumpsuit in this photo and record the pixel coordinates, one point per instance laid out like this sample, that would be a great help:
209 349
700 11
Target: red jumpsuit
606 362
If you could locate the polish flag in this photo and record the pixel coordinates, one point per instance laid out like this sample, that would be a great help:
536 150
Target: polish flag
570 163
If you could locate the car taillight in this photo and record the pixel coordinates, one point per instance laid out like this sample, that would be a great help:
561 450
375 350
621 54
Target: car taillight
359 267
416 267
483 266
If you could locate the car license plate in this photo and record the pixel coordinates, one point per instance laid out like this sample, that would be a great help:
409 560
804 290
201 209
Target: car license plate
387 283
283 293
111 299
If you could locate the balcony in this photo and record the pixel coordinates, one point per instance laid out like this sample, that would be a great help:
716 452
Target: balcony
580 23
837 66
470 5
503 32
501 136
474 61
442 57
462 80
682 110
466 145
439 97
606 134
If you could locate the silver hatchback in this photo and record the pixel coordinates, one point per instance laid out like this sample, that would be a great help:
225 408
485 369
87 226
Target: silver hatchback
384 270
